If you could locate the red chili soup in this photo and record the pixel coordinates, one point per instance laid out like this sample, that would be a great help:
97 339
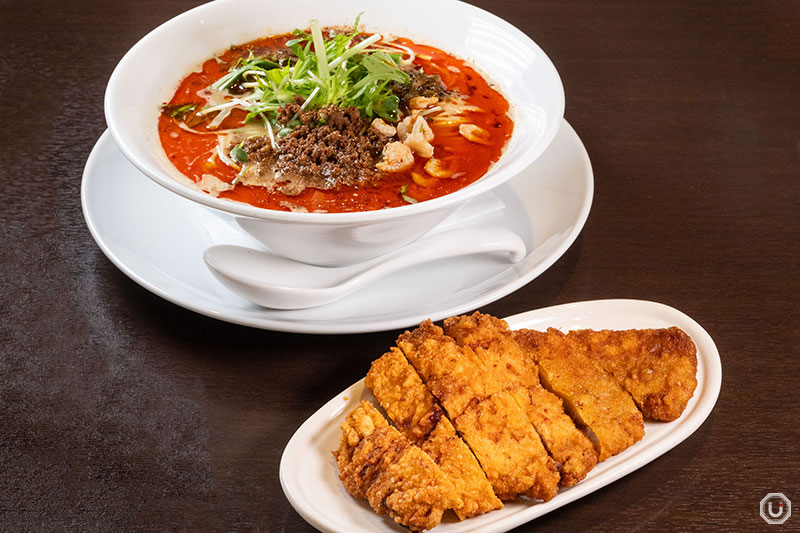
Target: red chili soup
465 142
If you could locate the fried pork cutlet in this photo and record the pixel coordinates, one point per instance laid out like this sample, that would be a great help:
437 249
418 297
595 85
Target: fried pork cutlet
461 467
658 367
399 390
488 418
491 339
508 448
397 478
357 438
417 415
591 396
455 377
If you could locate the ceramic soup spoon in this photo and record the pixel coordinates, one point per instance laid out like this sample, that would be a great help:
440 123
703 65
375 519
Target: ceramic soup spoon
277 282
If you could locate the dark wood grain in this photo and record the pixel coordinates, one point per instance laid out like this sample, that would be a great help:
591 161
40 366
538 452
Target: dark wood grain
120 411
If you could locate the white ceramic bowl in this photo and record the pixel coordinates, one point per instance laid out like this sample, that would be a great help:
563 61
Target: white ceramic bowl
150 72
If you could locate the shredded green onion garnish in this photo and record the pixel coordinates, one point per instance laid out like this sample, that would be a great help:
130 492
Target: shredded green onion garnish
323 72
405 196
178 111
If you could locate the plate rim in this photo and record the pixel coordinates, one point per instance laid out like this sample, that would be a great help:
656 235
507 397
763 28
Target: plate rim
702 404
325 326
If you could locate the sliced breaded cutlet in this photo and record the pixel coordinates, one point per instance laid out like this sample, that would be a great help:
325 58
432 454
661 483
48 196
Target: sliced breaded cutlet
359 424
491 339
658 367
455 377
457 461
591 396
401 393
417 415
397 478
508 448
487 417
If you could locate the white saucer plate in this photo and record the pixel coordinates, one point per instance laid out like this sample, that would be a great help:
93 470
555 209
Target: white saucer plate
157 238
309 475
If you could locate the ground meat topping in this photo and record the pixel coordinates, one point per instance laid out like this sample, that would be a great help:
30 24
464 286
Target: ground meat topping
258 148
421 85
331 146
282 56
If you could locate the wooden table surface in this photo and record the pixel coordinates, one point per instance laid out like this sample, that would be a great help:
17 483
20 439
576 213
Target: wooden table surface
121 411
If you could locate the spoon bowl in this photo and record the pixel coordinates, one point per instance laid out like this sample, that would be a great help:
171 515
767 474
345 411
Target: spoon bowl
277 282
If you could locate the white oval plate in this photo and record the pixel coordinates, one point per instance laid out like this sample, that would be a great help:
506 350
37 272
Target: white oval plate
157 239
309 476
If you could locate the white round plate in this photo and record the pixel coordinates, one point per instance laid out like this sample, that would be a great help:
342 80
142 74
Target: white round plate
309 476
157 239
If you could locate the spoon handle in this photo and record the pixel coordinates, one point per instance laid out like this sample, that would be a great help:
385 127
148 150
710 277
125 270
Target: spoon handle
451 243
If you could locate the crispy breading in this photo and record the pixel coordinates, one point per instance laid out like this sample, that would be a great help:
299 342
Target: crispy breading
508 448
456 377
572 450
397 478
591 396
359 423
658 367
412 490
505 443
417 415
372 454
461 467
399 390
491 339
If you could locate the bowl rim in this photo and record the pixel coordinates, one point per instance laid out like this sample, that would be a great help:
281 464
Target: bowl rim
486 182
